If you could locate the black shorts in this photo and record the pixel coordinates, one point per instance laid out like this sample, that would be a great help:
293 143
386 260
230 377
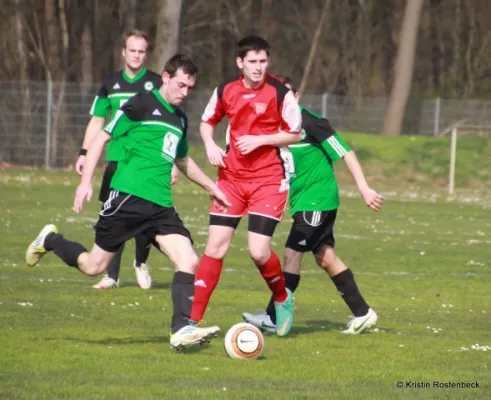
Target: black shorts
124 216
109 172
311 229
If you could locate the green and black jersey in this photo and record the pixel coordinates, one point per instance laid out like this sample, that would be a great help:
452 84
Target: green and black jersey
116 89
313 186
153 133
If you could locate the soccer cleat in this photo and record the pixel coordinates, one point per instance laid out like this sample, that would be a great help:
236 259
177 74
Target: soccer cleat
36 249
192 335
143 276
284 315
107 283
260 320
359 324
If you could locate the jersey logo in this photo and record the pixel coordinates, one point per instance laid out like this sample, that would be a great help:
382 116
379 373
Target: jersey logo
260 108
249 96
303 134
148 86
116 86
156 112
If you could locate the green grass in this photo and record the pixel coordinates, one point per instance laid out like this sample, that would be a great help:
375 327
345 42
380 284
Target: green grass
423 264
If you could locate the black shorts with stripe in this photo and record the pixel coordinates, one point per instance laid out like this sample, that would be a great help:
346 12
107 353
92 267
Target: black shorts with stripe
109 172
311 229
124 216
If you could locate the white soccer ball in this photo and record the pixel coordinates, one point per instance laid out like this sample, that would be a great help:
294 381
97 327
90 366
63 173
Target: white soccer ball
244 341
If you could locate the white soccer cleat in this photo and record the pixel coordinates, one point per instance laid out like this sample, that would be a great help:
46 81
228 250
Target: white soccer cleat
143 276
36 249
359 324
191 335
260 320
107 283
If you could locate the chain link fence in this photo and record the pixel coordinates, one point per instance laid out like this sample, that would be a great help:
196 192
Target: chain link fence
43 123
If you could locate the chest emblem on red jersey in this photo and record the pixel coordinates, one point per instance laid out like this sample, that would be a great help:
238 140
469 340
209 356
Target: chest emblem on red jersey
260 107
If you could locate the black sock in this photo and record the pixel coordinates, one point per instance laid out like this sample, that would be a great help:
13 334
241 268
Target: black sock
67 250
115 264
143 245
291 282
346 286
182 299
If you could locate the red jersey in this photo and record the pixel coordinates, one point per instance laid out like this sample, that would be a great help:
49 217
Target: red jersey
261 111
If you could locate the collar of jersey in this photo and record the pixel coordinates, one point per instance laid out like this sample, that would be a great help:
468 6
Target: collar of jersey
169 108
136 77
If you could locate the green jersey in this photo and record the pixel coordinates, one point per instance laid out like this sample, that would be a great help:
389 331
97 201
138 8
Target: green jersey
313 186
153 134
116 89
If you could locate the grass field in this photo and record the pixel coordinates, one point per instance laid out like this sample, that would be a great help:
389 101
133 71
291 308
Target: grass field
423 264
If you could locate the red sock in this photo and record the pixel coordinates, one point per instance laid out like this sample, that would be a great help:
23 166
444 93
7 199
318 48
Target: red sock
205 282
273 275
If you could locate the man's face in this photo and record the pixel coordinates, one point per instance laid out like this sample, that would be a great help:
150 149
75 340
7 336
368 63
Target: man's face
176 89
135 52
254 65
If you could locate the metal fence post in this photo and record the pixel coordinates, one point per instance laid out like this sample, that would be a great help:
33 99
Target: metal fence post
324 105
453 156
49 108
436 126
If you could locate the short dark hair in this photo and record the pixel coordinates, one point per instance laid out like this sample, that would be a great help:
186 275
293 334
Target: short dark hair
286 80
134 32
183 61
251 43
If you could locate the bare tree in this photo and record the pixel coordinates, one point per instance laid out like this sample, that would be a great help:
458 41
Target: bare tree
313 46
167 37
403 69
87 42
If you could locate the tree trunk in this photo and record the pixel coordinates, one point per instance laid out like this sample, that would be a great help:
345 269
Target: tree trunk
87 44
128 15
313 47
167 37
404 66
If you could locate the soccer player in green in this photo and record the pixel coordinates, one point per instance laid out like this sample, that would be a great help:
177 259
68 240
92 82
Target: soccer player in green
314 200
153 134
115 90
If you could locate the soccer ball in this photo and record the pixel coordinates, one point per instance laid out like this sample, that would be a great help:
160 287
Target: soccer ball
244 341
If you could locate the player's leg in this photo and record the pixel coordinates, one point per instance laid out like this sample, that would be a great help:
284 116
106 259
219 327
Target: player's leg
297 244
343 279
266 208
220 233
111 280
71 253
142 250
174 240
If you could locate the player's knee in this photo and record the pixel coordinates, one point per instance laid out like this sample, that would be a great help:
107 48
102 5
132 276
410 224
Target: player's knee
93 265
326 260
189 264
216 250
259 255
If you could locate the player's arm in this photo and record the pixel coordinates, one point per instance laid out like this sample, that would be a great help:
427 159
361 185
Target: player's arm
371 198
124 120
289 132
99 111
194 173
84 189
213 114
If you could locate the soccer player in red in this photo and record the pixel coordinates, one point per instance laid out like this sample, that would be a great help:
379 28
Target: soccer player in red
253 172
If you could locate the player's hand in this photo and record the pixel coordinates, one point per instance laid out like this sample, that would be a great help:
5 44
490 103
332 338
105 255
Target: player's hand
372 199
215 155
174 175
84 191
219 199
248 143
79 165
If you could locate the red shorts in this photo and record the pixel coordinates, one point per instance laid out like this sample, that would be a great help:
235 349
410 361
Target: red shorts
260 198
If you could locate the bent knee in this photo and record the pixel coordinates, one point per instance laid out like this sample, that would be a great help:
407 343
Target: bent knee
260 256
